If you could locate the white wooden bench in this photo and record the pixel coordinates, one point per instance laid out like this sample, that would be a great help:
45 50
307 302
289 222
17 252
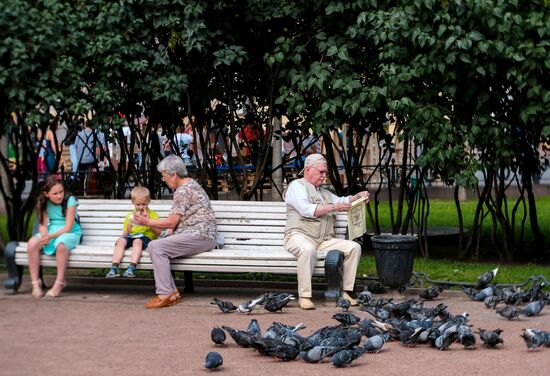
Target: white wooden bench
253 233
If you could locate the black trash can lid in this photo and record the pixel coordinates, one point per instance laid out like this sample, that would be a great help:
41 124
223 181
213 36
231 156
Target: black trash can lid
397 238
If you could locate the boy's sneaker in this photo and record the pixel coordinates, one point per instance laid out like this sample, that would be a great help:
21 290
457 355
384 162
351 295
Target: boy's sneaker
112 273
130 272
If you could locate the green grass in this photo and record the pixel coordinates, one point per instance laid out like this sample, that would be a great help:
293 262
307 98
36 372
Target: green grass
443 213
4 227
456 271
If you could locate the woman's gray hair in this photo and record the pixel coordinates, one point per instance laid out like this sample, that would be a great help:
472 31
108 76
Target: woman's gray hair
173 164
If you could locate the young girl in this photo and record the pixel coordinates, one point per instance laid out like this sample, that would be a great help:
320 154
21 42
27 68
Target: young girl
59 232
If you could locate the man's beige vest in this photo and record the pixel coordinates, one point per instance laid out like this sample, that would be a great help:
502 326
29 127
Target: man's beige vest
320 228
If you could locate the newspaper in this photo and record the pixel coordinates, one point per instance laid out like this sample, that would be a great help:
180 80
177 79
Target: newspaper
357 218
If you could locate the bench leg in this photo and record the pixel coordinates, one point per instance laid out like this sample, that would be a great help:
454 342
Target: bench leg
15 272
334 263
188 280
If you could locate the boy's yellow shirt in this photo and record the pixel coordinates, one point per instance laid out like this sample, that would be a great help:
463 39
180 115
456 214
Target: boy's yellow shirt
144 230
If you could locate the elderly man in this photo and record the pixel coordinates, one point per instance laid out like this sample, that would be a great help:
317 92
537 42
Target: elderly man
310 227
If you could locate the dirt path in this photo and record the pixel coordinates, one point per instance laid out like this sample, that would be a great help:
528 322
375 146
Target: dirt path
102 331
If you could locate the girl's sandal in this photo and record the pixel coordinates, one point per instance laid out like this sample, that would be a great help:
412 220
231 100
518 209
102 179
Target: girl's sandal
53 294
37 289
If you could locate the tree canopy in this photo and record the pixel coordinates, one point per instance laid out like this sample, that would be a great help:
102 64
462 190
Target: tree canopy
464 81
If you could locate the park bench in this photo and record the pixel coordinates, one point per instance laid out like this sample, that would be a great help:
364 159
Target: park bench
253 233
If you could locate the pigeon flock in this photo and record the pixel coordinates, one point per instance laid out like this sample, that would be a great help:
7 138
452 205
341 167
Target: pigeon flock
408 322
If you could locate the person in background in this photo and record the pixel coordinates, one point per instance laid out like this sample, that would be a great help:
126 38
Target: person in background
311 212
88 147
70 141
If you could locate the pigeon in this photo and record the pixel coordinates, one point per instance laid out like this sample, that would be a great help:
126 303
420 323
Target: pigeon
533 308
277 330
484 279
364 297
218 336
379 313
431 292
535 292
213 360
346 318
344 339
447 338
254 328
276 348
317 353
377 288
508 312
344 304
533 339
410 337
249 306
375 344
490 338
545 336
485 293
224 305
513 296
466 337
240 337
344 357
277 301
492 301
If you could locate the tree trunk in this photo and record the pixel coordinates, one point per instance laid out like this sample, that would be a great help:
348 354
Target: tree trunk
277 160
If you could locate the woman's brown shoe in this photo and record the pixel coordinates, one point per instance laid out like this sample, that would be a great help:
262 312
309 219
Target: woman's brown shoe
156 302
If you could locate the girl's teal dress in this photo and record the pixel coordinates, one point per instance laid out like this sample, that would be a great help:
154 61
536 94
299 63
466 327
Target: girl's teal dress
56 222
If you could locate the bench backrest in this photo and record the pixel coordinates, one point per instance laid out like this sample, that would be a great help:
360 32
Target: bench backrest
255 225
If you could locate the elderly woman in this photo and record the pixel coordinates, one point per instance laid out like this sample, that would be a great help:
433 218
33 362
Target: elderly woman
194 229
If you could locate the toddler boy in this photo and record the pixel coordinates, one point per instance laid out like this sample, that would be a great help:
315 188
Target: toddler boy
135 236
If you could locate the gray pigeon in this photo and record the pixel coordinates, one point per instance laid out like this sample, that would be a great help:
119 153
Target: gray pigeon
364 297
218 336
317 353
213 360
485 278
248 306
276 301
274 347
490 338
533 308
224 305
346 318
533 339
492 301
431 292
447 338
345 357
378 313
375 344
254 328
508 312
240 337
466 336
344 304
544 335
484 294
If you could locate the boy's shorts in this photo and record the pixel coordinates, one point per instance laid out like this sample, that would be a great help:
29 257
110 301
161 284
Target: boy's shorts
130 240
